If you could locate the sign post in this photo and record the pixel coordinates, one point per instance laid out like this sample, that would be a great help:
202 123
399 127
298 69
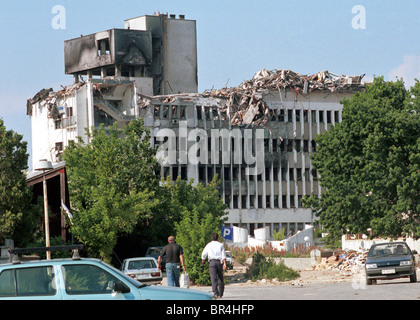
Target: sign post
227 233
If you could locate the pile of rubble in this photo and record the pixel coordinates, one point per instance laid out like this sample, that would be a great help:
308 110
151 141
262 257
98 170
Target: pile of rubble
245 102
346 261
50 98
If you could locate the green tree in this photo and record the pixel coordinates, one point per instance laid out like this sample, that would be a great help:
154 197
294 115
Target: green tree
112 182
369 163
198 212
16 212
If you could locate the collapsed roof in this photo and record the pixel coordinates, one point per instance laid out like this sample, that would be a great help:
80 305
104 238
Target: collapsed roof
245 102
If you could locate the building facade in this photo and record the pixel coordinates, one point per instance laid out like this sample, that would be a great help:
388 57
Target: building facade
257 137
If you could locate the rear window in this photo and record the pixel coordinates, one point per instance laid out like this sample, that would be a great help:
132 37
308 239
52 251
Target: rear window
23 282
141 264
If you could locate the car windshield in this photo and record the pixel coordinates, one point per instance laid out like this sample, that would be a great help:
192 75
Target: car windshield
122 274
141 264
154 251
388 249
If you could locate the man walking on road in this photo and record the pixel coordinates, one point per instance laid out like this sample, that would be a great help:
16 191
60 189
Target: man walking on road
174 255
215 251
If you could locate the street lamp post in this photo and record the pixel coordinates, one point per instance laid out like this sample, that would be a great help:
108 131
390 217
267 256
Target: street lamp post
44 165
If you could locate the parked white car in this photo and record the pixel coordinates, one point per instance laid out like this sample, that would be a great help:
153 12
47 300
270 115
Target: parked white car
143 269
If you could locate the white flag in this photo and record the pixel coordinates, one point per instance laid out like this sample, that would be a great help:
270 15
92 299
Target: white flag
67 211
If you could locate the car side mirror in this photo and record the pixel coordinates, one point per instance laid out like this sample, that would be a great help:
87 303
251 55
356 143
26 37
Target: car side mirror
120 287
414 251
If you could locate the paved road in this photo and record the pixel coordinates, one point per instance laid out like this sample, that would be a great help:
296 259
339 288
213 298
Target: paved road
398 289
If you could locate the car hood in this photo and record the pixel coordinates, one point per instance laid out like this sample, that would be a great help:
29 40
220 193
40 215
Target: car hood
172 293
389 258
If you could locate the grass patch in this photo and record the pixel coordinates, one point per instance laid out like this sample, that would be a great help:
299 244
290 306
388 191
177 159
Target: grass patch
262 268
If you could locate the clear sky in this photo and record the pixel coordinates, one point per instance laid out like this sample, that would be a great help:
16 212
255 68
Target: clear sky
236 38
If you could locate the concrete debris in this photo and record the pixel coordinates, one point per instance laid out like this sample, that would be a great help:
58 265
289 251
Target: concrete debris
346 261
296 283
50 97
246 104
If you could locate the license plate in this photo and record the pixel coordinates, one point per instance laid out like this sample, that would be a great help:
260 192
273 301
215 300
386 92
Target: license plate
388 271
143 276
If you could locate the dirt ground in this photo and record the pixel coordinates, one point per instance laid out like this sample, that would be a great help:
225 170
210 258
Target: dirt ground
236 276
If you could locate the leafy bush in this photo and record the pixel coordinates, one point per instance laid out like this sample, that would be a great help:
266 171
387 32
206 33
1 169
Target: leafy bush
261 268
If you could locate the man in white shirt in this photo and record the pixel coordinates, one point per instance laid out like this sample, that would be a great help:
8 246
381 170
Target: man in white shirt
215 251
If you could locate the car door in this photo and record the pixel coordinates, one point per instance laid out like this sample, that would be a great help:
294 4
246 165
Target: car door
92 282
28 283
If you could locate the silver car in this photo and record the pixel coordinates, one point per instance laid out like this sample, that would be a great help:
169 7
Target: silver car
143 269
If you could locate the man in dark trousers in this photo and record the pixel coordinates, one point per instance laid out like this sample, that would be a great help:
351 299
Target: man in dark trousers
174 255
215 251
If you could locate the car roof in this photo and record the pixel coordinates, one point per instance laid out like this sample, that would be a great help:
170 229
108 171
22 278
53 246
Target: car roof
390 242
46 262
140 258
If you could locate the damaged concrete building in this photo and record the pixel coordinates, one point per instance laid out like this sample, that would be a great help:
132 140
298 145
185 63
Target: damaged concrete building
149 70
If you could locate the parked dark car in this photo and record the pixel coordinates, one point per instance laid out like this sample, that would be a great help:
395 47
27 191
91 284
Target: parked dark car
390 260
154 252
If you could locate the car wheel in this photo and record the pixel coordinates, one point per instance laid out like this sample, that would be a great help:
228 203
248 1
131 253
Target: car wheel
413 277
369 282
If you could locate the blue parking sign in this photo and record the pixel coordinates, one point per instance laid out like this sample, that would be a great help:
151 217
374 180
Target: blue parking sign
227 233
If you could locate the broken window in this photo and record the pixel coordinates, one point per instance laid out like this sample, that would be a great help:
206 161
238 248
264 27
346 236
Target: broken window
215 112
299 174
58 146
266 145
305 115
275 145
300 203
291 176
157 112
280 115
260 200
313 144
165 112
297 145
283 174
252 201
282 145
307 174
243 201
267 173
276 202
199 115
284 201
273 115
210 173
289 115
182 113
275 174
174 112
305 145
206 113
289 145
297 115
103 47
292 201
57 124
313 116
174 173
235 202
336 116
201 173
